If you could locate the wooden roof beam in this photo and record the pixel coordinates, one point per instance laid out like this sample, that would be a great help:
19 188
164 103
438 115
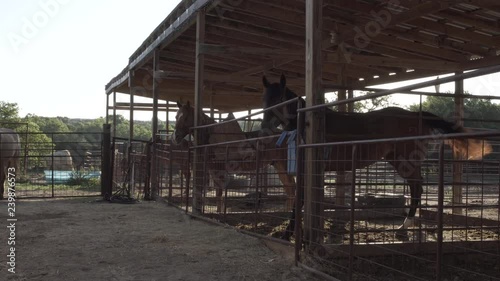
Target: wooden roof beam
414 47
440 41
259 9
452 31
371 81
480 63
391 19
478 23
236 38
238 51
395 62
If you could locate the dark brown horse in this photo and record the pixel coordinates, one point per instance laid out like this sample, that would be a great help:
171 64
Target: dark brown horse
406 157
240 158
10 149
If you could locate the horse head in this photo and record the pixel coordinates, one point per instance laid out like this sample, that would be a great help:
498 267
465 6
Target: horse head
184 120
274 94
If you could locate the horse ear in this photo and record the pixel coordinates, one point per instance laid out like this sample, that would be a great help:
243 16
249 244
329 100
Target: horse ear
265 82
283 81
179 104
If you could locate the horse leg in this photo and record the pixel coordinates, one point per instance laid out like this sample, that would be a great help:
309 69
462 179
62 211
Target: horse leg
219 181
290 229
416 194
410 170
288 184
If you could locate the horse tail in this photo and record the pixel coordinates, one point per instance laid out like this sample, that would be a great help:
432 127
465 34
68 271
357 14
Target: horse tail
464 148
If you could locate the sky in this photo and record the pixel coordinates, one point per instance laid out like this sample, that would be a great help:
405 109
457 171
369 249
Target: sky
57 55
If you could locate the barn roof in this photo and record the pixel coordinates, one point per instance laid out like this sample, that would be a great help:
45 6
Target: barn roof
365 42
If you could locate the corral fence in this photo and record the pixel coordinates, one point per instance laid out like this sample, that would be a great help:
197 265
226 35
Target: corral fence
349 225
352 218
59 164
354 233
131 166
242 183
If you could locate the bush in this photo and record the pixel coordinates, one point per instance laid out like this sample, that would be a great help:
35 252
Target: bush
83 178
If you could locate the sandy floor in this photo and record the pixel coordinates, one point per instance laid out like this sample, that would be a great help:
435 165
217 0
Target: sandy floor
81 239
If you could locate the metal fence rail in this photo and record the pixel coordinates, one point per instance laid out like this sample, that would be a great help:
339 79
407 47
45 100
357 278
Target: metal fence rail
363 208
62 165
131 168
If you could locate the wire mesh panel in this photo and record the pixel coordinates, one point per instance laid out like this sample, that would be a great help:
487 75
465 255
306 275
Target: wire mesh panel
131 168
246 184
173 171
59 164
365 227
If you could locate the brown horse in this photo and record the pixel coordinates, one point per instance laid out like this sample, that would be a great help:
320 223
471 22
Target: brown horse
10 149
240 158
406 157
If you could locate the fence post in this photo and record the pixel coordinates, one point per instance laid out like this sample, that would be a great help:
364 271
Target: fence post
52 150
106 161
313 177
439 258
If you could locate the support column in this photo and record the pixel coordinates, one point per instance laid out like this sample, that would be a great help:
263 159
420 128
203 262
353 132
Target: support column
457 167
154 180
341 182
350 95
114 114
167 106
313 191
131 106
131 134
198 94
106 180
107 108
156 63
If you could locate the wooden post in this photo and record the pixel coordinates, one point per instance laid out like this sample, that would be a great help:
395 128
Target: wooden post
199 87
341 183
342 93
212 110
106 179
131 131
152 158
131 106
107 108
457 166
114 114
167 106
350 95
314 193
156 63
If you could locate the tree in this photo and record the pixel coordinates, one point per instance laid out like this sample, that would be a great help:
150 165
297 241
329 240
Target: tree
370 104
478 113
9 115
49 124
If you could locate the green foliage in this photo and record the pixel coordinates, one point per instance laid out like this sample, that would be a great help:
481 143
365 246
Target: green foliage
82 178
9 112
9 115
478 113
370 104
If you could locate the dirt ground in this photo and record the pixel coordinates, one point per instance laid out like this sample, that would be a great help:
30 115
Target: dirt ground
83 239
